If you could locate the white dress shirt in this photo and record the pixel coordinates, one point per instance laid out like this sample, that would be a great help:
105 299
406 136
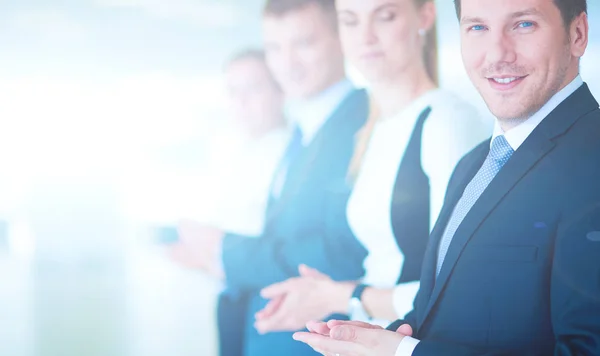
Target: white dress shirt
452 129
515 137
242 206
235 195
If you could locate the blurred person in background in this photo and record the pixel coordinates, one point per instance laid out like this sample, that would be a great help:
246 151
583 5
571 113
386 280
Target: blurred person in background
304 53
257 107
402 166
235 194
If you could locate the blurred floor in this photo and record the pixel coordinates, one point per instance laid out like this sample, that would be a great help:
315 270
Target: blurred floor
97 285
16 307
149 308
172 310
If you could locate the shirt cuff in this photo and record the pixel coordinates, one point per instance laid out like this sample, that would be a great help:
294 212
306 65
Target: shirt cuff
407 346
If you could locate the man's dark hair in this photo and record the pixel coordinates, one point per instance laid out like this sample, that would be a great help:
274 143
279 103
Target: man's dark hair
283 7
569 9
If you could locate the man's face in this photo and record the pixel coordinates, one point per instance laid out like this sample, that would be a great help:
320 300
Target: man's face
517 53
254 99
303 50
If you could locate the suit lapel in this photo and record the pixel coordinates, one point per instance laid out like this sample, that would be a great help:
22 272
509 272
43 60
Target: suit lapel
343 119
453 195
537 145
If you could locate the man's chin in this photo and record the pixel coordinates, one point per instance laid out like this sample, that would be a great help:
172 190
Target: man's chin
505 111
502 106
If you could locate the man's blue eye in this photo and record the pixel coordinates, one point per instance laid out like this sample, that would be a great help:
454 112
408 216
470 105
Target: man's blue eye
477 28
526 24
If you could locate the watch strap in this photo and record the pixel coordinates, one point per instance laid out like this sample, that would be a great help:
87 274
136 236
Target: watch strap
358 291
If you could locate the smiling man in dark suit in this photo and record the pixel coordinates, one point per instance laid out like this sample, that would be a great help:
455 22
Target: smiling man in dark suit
513 264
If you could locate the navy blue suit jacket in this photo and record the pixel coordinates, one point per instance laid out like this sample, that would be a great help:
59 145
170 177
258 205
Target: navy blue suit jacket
305 225
522 274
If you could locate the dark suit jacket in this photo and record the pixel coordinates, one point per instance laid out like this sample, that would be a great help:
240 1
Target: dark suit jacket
522 274
305 224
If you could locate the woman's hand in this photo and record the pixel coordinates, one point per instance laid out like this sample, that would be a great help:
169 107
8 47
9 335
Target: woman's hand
293 303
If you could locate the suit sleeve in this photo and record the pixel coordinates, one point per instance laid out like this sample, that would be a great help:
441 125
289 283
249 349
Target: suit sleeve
575 283
254 263
409 319
435 348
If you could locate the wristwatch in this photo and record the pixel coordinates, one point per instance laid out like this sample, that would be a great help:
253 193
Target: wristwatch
356 310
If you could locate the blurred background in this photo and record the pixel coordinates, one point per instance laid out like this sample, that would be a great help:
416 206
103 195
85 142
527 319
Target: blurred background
107 112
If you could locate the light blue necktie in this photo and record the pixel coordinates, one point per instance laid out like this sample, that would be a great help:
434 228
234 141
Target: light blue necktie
500 153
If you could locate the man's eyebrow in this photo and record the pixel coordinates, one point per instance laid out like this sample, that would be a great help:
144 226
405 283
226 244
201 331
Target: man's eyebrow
514 15
528 12
471 20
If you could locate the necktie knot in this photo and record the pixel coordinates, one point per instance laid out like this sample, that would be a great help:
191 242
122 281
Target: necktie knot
501 150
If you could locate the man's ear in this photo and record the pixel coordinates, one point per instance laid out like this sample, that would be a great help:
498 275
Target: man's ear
579 35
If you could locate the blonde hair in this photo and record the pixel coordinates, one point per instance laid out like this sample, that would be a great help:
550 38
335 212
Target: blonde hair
363 136
362 139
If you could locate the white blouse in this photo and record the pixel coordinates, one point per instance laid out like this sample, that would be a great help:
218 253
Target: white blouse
234 198
452 129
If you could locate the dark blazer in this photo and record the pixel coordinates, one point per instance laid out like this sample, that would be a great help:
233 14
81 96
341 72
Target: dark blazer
522 274
298 230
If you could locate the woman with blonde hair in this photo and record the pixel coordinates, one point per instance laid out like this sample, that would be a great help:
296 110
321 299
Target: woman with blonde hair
404 158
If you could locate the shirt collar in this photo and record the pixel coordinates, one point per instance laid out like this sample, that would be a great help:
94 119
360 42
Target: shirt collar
311 114
517 135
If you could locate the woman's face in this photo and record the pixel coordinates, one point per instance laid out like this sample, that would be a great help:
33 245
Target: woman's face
381 38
